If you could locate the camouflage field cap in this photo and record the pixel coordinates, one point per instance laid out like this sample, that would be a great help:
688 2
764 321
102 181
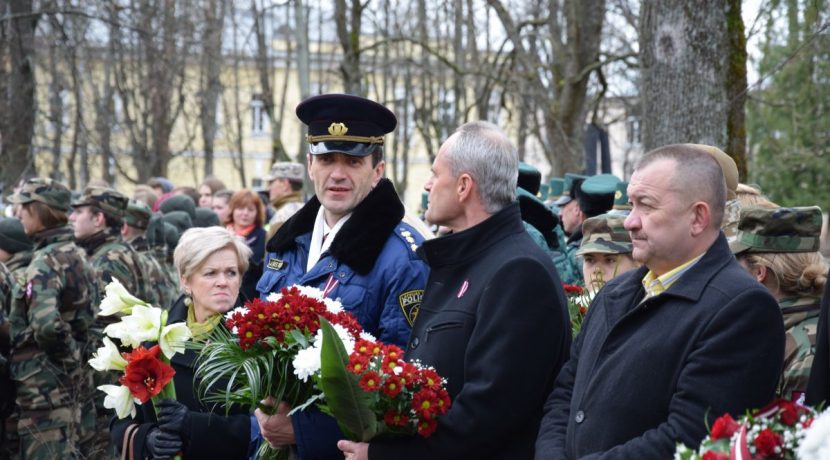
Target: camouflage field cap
286 170
778 230
112 202
138 214
46 191
604 234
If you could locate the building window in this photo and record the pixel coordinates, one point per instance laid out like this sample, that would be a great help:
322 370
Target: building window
259 118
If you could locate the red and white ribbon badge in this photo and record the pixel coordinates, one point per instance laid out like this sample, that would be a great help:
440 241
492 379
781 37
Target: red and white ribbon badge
331 283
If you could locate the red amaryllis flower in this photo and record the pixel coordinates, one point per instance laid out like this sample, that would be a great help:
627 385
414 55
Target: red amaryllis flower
724 427
427 426
370 381
394 418
146 375
766 442
712 455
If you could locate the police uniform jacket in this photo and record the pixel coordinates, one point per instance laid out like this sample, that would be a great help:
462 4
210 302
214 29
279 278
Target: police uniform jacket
371 267
644 375
494 323
212 433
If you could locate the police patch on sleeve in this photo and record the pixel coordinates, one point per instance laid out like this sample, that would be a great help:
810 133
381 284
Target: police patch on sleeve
276 264
410 302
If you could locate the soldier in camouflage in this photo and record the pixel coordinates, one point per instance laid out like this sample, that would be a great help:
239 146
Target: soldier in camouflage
136 220
779 247
50 317
97 218
605 250
6 384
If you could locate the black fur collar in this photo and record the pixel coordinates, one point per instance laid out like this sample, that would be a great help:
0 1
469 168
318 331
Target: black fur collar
359 242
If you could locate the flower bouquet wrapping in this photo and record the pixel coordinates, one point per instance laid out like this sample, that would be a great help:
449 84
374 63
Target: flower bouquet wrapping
265 351
147 374
372 391
774 432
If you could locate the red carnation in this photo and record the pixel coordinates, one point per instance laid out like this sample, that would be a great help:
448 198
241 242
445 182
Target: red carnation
370 381
394 418
724 427
392 386
145 375
426 427
766 442
789 413
712 455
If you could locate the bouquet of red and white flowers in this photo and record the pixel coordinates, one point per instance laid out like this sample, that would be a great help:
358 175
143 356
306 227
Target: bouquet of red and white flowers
267 350
578 300
774 432
372 391
146 372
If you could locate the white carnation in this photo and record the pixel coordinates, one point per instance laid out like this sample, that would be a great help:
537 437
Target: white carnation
306 363
816 443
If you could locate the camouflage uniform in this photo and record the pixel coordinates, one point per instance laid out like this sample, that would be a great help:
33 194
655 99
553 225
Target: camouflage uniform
17 265
801 323
6 385
50 317
138 216
786 230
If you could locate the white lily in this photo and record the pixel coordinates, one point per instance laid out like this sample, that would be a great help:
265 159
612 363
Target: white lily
143 325
108 358
173 337
119 398
118 300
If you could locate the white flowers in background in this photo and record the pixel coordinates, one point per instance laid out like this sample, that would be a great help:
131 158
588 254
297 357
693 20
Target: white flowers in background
142 325
118 300
172 339
108 358
367 336
119 398
307 361
816 442
332 305
242 311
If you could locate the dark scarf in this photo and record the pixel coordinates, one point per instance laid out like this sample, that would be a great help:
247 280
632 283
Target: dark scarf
359 242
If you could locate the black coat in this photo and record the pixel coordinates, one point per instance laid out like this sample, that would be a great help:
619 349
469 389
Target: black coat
643 376
213 435
256 241
494 322
819 388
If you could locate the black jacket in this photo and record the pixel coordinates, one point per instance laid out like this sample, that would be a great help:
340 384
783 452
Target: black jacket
213 435
494 322
644 375
819 388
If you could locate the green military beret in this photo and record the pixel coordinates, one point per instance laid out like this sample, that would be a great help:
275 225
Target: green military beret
557 187
604 234
171 236
621 197
112 202
13 237
778 230
529 177
179 203
205 218
178 219
138 214
155 231
47 191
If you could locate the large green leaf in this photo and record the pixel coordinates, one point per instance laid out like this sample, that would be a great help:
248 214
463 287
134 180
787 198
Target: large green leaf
346 401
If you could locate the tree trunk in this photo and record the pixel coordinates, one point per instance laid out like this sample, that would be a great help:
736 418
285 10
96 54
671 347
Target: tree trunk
348 22
211 80
687 75
16 156
736 87
303 67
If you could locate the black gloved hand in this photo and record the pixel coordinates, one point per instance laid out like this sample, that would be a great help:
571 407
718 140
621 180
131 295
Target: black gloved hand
174 417
162 444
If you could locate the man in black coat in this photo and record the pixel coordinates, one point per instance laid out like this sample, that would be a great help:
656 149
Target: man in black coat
687 337
493 319
818 390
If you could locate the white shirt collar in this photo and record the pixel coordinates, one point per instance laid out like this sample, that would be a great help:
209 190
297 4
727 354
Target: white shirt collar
318 246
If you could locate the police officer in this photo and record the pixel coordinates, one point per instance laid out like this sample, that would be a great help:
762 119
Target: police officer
136 220
50 320
779 247
349 241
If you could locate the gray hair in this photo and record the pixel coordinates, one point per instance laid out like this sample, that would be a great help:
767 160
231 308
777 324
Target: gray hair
483 151
697 176
199 243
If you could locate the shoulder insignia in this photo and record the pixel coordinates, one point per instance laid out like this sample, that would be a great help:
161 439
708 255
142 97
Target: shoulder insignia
276 264
410 303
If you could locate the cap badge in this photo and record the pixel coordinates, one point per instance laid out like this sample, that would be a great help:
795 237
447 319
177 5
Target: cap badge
338 129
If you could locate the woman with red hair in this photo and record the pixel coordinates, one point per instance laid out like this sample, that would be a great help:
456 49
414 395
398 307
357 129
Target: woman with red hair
246 217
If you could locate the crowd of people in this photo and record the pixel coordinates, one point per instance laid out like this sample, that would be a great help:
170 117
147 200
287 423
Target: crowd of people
705 297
